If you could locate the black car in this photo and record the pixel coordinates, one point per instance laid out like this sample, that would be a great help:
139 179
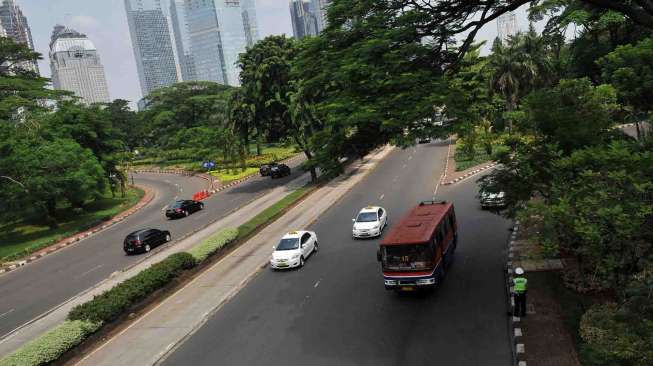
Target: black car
279 170
144 240
183 208
424 140
265 169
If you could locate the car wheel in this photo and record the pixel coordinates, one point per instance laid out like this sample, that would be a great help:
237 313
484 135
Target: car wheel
315 248
186 213
147 248
201 206
168 238
301 261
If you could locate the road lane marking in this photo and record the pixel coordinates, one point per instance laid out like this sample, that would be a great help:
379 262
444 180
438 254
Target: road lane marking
403 166
410 157
316 284
91 270
381 198
444 173
6 313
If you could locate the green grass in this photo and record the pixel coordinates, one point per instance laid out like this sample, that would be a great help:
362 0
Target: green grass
464 162
229 175
23 238
273 211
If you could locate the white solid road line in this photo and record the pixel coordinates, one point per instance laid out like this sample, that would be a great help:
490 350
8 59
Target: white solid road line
6 313
91 270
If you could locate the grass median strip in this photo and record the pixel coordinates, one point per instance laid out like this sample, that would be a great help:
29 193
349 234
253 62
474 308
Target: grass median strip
87 318
273 211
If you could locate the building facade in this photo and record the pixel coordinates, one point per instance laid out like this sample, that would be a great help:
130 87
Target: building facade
304 21
76 66
219 30
318 8
179 20
14 24
152 44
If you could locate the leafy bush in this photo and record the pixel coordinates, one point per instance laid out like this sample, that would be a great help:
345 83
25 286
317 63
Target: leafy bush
613 336
212 244
114 302
51 345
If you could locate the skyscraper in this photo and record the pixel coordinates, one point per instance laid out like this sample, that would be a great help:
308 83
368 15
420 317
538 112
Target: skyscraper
319 9
76 66
15 27
219 31
304 21
150 35
179 19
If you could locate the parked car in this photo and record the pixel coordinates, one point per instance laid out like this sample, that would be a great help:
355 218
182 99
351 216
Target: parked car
279 170
370 222
144 240
492 200
265 169
183 208
424 140
293 249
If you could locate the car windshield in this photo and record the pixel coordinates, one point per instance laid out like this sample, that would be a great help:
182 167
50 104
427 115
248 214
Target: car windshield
366 217
407 257
177 204
288 244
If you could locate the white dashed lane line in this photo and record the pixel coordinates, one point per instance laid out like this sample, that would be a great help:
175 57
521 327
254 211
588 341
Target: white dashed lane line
90 270
381 198
6 313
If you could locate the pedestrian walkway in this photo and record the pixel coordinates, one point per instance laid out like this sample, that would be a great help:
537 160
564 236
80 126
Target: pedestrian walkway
158 332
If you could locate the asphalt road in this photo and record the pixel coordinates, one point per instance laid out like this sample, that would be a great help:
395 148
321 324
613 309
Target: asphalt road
335 310
34 289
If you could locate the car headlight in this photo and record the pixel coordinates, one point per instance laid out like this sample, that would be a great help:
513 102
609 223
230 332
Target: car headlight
295 256
376 226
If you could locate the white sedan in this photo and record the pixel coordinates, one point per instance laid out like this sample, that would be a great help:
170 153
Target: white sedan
370 222
293 249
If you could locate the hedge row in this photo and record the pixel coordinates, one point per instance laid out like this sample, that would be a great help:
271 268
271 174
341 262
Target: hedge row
115 302
212 244
50 346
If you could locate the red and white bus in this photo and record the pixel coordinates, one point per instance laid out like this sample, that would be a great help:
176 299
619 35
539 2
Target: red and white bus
417 251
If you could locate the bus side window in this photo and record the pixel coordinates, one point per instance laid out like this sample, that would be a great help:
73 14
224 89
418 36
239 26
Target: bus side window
438 234
446 228
452 219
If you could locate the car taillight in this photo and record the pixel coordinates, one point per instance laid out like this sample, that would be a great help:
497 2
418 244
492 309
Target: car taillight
138 243
178 210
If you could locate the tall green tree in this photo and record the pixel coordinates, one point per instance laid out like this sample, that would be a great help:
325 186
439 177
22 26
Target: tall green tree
265 83
628 69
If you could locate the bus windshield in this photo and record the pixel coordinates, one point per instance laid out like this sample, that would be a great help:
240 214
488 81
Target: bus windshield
407 257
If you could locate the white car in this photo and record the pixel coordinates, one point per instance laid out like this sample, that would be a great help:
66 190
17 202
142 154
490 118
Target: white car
493 200
370 222
293 249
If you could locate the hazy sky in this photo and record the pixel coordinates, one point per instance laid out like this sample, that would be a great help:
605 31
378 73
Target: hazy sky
105 23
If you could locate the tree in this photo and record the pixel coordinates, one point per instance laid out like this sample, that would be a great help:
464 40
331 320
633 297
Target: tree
21 90
573 114
265 79
124 120
628 69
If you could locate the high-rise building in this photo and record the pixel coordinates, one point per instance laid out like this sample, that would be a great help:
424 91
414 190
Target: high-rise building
319 9
15 26
152 44
304 21
179 22
219 31
76 66
506 26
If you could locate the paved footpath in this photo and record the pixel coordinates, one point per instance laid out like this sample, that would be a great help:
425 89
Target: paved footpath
154 335
59 314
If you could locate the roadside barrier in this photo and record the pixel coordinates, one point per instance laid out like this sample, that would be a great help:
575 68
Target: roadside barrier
201 195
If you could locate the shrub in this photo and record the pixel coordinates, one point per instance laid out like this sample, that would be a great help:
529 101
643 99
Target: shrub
613 336
51 345
212 244
114 302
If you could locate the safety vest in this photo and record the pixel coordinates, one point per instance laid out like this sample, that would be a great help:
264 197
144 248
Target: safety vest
520 284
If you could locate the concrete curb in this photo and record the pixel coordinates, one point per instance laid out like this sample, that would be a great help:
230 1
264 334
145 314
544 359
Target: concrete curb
467 175
65 242
514 323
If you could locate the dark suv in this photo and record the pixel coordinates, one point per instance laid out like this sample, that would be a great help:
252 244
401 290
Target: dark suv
143 241
183 208
265 169
279 170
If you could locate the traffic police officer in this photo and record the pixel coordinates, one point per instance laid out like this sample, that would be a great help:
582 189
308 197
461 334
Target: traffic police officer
519 294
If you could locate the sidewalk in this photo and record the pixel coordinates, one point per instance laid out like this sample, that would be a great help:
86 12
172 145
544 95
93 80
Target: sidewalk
153 336
57 315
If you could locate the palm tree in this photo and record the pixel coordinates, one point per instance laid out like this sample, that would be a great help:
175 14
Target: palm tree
519 67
